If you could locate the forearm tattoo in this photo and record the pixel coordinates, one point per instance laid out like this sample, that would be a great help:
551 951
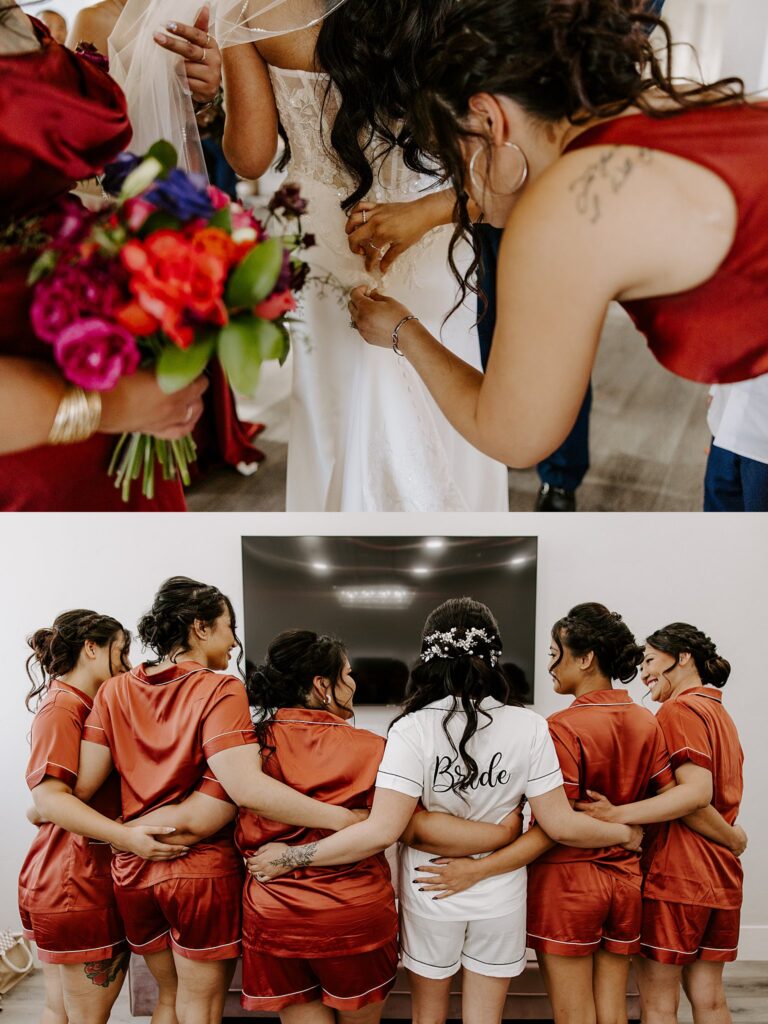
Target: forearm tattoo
608 173
104 972
296 857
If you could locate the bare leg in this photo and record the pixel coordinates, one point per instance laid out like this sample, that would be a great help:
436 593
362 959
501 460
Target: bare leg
53 1010
609 984
90 989
370 1014
482 998
659 990
703 984
308 1013
568 980
202 989
429 999
164 972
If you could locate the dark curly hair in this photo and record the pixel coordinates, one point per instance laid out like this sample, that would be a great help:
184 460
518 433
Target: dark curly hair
680 638
592 627
560 60
466 678
179 602
56 648
284 679
372 51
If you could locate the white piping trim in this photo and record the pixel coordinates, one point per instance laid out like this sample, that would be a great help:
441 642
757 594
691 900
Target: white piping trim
141 945
623 942
88 949
231 732
666 949
666 766
61 689
94 727
56 764
718 949
709 696
563 942
693 751
175 680
283 995
359 994
203 949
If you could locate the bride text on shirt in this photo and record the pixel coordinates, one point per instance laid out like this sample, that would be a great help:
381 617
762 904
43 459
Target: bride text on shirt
449 773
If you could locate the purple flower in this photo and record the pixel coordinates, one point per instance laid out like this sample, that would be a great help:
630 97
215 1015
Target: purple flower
182 195
286 273
288 200
89 52
70 294
116 172
95 353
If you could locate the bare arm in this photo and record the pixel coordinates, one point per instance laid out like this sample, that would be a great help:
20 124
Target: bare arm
434 832
91 26
55 802
250 131
239 772
692 793
196 818
710 823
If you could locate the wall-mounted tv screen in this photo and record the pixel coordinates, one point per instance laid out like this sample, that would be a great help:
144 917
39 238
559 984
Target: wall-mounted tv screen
374 593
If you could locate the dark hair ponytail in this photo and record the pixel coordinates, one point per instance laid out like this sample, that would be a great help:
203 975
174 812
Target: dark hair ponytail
569 60
592 627
680 638
178 604
468 678
284 680
56 648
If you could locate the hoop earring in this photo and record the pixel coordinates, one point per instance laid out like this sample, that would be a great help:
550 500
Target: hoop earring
482 189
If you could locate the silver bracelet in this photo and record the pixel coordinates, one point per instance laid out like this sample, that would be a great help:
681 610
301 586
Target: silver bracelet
396 334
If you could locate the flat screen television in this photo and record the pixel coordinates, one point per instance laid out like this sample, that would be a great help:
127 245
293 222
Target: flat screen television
374 593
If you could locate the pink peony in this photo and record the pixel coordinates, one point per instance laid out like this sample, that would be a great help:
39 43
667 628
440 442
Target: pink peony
277 304
95 353
219 199
71 293
138 211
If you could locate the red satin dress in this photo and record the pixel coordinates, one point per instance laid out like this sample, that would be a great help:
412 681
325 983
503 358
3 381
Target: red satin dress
716 333
63 120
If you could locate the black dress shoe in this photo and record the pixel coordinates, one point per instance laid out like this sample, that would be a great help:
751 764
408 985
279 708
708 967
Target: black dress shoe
555 499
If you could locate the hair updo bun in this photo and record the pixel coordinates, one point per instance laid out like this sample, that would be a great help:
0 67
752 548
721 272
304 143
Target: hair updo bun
284 680
56 649
178 604
592 627
682 638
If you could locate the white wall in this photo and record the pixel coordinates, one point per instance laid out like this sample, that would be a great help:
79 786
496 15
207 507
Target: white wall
711 570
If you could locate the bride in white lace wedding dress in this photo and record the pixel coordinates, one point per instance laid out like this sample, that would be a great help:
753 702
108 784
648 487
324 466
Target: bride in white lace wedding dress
365 435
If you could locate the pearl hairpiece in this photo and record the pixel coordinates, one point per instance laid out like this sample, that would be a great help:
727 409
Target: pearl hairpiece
448 645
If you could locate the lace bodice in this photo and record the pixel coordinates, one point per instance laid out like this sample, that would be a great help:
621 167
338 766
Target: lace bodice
308 116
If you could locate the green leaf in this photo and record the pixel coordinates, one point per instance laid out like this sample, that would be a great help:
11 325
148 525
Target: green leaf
178 367
159 221
164 153
42 266
243 345
255 278
222 219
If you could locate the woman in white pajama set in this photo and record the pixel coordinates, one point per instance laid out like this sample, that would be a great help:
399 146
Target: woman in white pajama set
463 746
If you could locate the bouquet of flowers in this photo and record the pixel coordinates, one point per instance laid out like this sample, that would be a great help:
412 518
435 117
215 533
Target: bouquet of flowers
169 275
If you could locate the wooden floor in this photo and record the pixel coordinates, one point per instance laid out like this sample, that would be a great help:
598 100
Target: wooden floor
649 440
746 984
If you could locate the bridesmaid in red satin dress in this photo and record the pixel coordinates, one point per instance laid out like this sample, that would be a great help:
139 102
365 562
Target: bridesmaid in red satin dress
63 120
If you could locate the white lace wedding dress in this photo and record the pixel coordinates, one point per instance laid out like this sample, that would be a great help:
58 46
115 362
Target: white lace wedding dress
365 435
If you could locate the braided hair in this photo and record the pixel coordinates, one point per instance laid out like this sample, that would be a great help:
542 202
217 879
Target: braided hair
56 648
178 604
592 627
680 638
284 679
465 668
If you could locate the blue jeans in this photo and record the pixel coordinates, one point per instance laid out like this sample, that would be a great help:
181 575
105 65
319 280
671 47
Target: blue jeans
567 466
734 483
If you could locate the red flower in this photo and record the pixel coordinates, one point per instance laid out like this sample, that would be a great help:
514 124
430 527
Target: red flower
277 304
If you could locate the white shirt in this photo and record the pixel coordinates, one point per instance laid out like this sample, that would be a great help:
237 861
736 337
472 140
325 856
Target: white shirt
515 757
738 417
